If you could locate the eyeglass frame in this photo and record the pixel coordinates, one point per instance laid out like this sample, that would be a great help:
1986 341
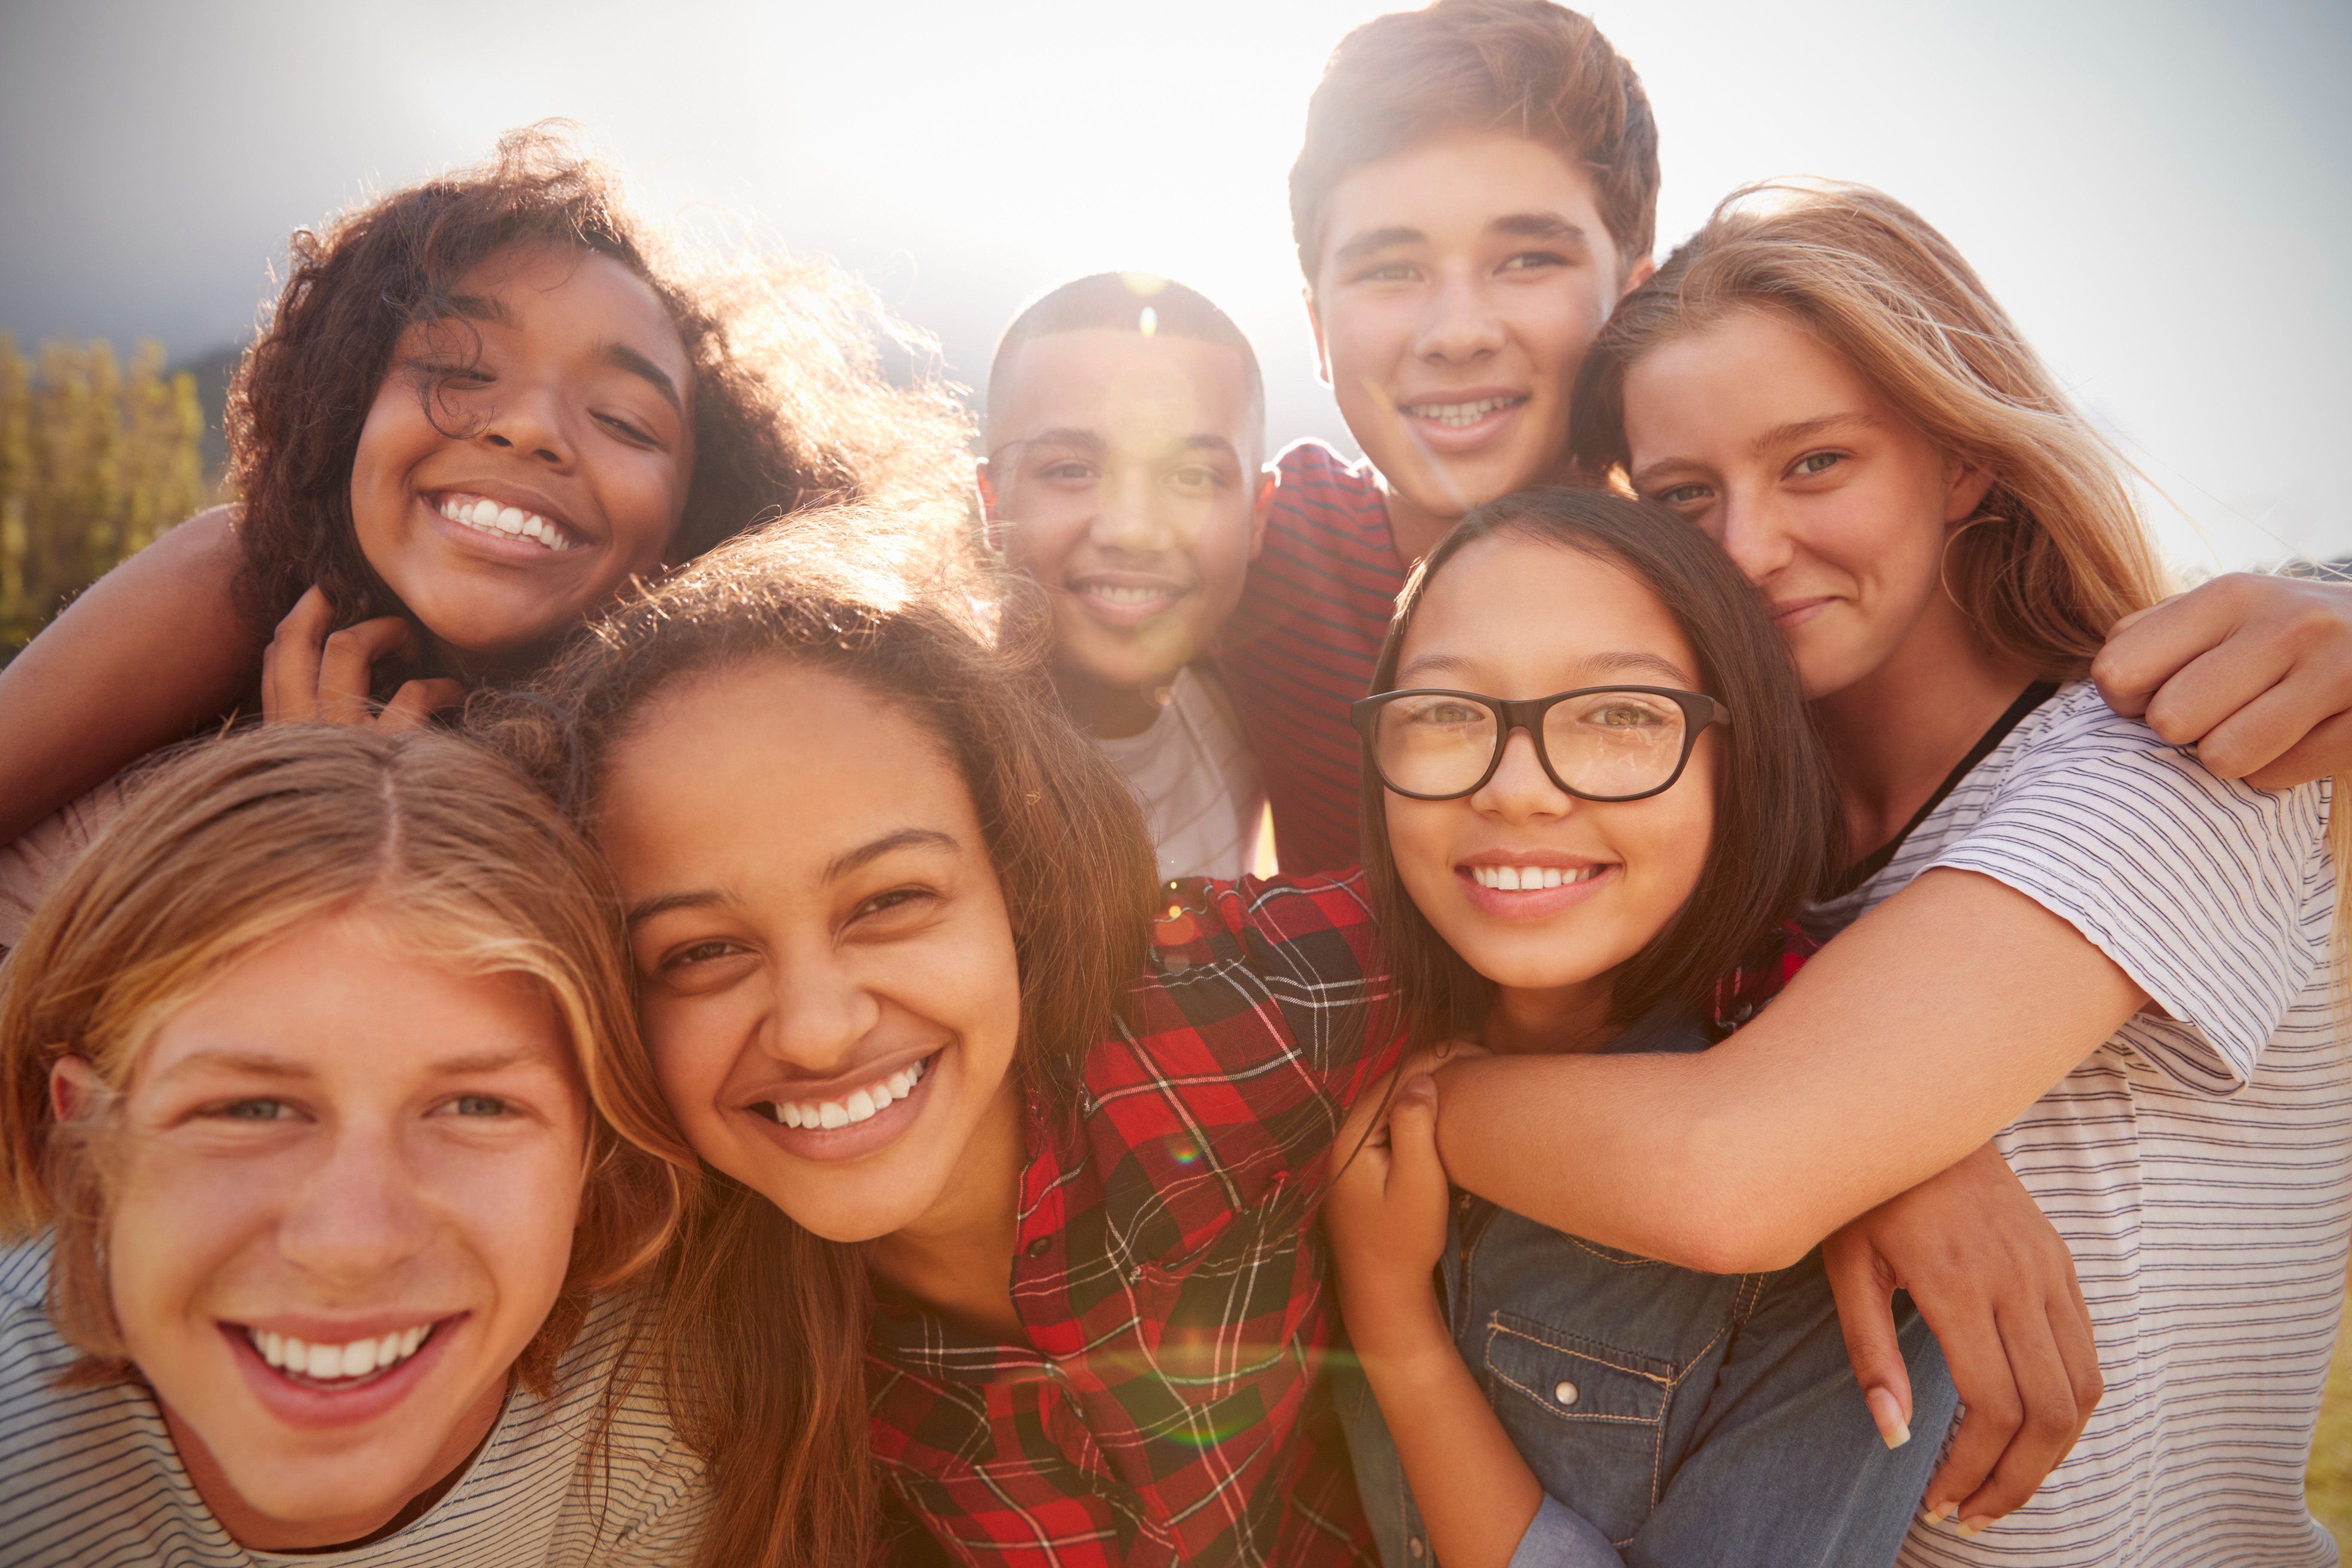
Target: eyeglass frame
1700 713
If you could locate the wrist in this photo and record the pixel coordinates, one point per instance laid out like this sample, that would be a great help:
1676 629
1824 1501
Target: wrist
1393 1318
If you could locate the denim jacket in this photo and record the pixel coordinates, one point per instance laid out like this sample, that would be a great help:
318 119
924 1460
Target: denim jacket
1672 1416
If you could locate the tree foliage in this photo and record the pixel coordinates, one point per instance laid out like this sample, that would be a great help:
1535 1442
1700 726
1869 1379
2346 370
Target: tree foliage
96 459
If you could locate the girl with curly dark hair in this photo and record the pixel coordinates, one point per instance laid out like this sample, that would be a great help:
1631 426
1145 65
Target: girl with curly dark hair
483 403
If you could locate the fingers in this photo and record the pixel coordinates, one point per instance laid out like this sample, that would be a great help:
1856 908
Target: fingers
1412 1138
1980 1372
289 667
416 702
2047 1429
346 667
2323 753
1865 1295
2147 649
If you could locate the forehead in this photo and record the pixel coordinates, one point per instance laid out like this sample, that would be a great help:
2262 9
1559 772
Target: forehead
1124 388
1747 372
768 770
1457 186
1530 619
357 996
577 294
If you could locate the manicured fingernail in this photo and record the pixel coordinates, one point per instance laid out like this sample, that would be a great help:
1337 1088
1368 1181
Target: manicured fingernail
1889 1416
1936 1511
1975 1526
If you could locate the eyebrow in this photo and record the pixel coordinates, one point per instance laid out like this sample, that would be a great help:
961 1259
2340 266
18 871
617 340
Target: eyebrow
256 1064
1087 441
1625 662
1539 225
1786 435
623 357
849 860
1377 239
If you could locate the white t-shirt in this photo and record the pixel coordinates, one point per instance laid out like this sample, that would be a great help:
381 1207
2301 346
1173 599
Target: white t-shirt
90 1479
2200 1170
1198 783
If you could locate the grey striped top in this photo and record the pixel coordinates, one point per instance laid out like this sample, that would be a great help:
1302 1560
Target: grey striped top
88 1477
2200 1170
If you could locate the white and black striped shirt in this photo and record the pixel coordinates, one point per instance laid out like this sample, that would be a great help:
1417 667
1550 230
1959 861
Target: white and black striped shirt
2200 1170
90 1479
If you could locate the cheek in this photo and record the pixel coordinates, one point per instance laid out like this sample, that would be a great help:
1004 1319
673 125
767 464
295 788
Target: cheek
178 1223
396 436
1421 837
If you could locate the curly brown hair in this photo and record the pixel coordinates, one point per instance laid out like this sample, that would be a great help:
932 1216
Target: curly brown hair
791 407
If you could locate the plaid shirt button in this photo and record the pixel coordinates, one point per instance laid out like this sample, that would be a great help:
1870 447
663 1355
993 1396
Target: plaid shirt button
1039 1247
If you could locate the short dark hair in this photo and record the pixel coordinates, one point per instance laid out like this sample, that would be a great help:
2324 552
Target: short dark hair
1777 828
1124 301
1525 65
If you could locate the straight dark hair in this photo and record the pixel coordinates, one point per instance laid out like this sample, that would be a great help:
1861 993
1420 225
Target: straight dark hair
760 1324
1778 824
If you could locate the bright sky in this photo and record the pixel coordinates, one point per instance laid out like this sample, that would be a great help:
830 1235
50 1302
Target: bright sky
2157 190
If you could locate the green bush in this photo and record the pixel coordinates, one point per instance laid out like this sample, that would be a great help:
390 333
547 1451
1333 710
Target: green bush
95 461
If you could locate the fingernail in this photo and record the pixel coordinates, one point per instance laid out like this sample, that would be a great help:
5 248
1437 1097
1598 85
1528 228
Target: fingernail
1936 1511
1975 1526
1888 1413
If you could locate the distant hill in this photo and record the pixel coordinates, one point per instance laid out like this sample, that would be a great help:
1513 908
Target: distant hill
213 370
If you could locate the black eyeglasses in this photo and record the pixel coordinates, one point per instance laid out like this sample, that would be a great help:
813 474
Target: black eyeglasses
1597 743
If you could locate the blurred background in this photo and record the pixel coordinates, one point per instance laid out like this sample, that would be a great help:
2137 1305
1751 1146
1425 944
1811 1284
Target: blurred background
2155 189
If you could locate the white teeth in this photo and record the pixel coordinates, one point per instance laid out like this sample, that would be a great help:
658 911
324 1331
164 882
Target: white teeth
859 1105
331 1364
1119 595
1527 879
506 521
1461 414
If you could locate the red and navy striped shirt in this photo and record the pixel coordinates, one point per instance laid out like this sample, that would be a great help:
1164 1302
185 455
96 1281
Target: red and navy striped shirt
1301 645
1169 1273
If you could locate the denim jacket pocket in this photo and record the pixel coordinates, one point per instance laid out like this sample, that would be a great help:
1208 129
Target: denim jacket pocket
1580 1408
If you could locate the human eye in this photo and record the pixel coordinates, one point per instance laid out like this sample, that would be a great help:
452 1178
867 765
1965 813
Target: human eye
1068 471
1814 463
1442 712
699 954
1195 477
1681 495
896 901
627 429
1624 714
251 1110
1387 272
477 1106
1534 261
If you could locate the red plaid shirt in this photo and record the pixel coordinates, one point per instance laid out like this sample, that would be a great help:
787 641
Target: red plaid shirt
1169 1271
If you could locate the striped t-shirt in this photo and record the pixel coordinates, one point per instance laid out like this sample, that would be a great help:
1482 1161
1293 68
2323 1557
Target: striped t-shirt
1301 645
1197 781
2200 1170
90 1479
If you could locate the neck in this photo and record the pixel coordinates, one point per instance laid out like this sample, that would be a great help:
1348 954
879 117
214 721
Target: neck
956 1256
1549 1021
1414 529
1111 711
259 1532
1895 734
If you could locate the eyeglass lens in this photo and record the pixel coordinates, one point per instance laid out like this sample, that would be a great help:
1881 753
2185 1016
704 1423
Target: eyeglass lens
1605 744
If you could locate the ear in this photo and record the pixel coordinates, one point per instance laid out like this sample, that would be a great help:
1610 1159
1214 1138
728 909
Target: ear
1965 493
1640 273
994 528
75 1093
1269 482
1315 324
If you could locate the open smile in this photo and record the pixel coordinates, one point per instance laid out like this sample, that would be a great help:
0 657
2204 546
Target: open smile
1127 602
842 1127
323 1381
1534 888
349 1365
483 515
1461 416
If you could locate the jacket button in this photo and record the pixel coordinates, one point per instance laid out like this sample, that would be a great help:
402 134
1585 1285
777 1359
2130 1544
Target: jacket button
1039 1247
1565 1393
1416 1548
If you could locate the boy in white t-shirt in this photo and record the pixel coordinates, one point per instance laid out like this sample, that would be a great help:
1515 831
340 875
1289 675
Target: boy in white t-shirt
1125 434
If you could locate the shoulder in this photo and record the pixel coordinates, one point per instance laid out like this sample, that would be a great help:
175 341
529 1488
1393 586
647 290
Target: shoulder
1321 489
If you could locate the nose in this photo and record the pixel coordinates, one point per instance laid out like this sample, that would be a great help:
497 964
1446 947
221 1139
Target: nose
1753 533
531 420
1129 517
1520 790
819 1014
361 1212
1459 325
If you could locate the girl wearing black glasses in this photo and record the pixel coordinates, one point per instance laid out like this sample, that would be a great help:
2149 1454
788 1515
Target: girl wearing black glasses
1593 796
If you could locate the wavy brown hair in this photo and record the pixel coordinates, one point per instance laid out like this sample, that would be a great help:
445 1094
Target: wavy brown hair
1778 825
2055 554
763 1324
238 842
790 408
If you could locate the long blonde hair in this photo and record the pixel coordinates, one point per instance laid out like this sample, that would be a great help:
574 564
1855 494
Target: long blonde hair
2056 554
241 841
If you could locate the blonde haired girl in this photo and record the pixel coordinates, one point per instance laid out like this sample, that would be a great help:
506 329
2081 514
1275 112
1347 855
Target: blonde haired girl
327 1140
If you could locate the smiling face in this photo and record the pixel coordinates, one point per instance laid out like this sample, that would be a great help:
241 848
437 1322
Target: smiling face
1836 508
348 1182
827 973
1460 285
1589 883
1123 471
552 463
